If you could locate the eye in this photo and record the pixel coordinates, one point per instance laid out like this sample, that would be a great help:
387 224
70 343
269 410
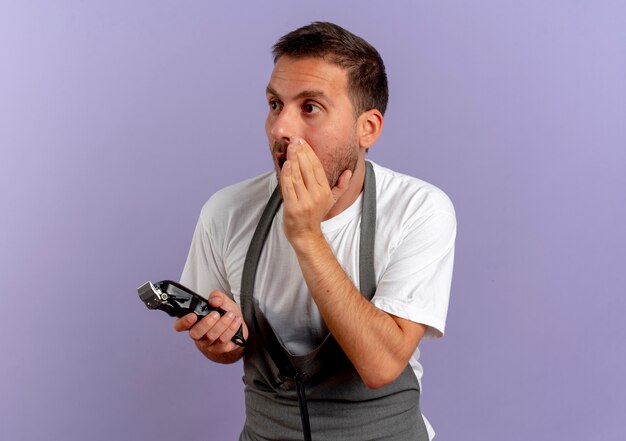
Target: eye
311 108
274 105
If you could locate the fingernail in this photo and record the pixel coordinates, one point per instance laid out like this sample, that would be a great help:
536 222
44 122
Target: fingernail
215 315
292 148
230 315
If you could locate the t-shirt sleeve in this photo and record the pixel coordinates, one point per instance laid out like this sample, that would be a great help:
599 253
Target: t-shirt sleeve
416 283
204 269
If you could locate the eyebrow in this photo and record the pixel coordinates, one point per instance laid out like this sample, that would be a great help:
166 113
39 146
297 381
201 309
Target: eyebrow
303 94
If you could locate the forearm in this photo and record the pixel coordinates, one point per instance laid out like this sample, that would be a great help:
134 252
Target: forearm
379 345
375 344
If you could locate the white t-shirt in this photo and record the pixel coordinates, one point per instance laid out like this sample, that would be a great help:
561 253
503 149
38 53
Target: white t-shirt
413 256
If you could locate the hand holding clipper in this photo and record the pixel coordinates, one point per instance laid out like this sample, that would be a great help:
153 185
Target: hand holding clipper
178 300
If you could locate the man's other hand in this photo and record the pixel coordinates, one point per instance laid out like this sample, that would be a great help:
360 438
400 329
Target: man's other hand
213 333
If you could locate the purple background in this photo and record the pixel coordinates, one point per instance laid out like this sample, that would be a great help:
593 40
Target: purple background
118 119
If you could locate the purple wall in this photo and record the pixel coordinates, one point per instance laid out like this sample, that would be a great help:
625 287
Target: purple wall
118 119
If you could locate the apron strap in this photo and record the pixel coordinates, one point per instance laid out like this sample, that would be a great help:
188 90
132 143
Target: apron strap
367 277
254 253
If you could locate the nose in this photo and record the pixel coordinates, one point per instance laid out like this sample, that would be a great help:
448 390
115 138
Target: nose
284 125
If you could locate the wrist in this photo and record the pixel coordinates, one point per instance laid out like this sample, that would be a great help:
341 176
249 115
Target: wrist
308 243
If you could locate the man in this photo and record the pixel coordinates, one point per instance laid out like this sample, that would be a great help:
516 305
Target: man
337 275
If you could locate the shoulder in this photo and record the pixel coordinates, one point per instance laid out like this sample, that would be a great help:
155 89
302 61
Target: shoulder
239 201
415 235
397 192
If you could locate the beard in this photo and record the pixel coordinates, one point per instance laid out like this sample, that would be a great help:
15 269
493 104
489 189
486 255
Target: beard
341 159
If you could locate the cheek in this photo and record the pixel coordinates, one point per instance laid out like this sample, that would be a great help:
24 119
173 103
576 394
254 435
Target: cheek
326 140
319 140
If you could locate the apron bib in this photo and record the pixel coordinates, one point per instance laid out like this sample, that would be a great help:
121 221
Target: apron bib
319 395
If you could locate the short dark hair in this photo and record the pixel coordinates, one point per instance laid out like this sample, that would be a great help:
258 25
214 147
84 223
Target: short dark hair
367 80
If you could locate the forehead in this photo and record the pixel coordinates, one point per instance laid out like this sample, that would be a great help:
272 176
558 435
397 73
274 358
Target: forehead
292 76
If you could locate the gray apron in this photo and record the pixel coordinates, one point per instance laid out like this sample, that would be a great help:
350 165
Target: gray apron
320 395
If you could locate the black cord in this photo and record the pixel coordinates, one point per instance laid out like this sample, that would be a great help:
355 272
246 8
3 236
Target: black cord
304 409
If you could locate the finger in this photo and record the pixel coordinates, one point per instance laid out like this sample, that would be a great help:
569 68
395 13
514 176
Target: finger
216 348
231 330
342 184
296 173
317 168
220 300
200 329
239 323
217 332
217 299
286 184
186 322
306 156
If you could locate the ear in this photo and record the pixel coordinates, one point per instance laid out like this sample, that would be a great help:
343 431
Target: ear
369 127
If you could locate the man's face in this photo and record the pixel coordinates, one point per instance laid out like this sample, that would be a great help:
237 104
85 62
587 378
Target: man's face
308 99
